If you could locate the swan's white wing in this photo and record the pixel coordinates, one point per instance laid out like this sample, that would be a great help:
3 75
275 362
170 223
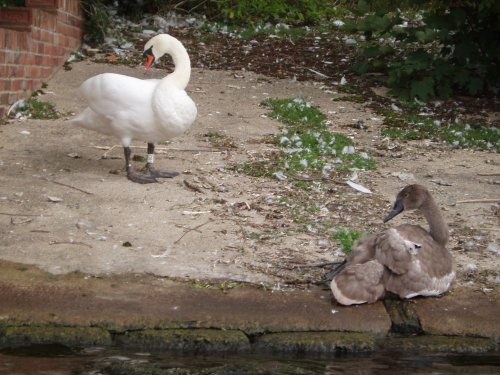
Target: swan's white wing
111 93
118 105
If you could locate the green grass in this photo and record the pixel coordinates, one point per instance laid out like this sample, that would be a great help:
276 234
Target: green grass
306 145
346 238
459 134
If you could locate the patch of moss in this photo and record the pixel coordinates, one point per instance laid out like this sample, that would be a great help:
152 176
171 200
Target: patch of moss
68 336
187 340
316 342
445 344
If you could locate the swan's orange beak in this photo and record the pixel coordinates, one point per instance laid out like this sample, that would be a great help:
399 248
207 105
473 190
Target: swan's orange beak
149 61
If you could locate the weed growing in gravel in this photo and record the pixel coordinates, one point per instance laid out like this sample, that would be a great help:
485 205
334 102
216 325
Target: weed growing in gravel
306 143
459 134
347 237
38 110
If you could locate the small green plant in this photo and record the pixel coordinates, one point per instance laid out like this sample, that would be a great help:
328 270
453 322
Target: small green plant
38 110
346 238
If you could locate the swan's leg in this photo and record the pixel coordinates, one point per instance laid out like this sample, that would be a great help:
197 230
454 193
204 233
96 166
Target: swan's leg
149 165
132 175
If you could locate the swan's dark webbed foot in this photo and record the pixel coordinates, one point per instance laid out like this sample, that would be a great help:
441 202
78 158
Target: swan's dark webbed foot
151 174
159 174
149 166
140 178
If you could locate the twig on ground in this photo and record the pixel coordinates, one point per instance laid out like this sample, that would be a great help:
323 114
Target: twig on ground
192 186
69 243
314 265
487 200
11 214
68 186
192 229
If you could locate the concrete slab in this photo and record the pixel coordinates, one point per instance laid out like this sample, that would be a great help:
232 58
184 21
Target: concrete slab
461 312
144 302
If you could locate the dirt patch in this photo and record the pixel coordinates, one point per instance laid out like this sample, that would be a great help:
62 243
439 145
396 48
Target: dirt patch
66 205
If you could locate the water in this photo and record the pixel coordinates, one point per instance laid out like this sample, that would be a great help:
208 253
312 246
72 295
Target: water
58 360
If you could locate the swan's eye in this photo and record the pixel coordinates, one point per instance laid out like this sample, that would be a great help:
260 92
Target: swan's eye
148 52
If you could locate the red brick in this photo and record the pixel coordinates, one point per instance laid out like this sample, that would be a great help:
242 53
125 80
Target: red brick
16 17
45 20
16 85
12 57
16 71
47 36
5 84
47 71
40 48
34 72
4 98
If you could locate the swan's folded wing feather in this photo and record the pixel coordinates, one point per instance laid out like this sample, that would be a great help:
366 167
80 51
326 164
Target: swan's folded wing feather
393 251
363 250
110 93
359 283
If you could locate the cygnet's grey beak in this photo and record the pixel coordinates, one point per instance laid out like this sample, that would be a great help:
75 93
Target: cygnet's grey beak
396 210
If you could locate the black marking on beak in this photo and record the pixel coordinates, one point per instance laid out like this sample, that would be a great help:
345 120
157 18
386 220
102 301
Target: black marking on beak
396 210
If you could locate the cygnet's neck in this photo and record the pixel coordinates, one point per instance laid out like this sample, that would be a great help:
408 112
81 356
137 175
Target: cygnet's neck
438 228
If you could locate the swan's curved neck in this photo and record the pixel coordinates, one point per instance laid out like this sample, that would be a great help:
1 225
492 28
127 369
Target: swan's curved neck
438 228
182 72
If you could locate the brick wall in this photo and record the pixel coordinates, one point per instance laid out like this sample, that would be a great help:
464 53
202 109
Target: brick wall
34 43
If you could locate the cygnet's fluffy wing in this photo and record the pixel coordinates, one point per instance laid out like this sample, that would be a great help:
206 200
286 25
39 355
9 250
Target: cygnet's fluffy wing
430 269
359 283
395 251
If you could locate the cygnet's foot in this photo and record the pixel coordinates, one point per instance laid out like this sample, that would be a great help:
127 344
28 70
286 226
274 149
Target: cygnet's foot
160 174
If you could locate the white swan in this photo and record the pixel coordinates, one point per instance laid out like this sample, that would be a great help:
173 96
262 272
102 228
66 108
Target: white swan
150 110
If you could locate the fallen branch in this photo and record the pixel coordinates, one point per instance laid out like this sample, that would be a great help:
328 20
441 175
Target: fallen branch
492 200
191 230
488 174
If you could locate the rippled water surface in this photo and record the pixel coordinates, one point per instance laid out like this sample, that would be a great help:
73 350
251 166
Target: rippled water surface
53 360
